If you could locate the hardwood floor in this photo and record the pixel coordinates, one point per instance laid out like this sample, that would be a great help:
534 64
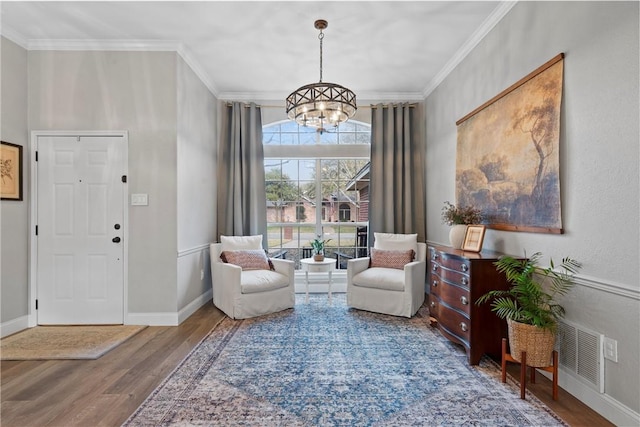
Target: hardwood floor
106 391
570 409
102 392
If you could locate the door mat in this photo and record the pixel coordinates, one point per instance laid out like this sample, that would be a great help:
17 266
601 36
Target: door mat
65 342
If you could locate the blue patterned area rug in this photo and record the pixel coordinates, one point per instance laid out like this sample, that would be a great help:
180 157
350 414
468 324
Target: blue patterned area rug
328 365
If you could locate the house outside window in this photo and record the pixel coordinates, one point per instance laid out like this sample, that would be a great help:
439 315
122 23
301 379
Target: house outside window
310 189
344 212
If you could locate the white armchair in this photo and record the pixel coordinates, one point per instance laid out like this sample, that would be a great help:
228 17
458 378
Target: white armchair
248 292
393 284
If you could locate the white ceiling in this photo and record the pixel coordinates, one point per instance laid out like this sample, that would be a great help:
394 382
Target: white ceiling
384 50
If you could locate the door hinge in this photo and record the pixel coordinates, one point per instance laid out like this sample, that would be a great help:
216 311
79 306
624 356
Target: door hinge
36 156
36 304
124 178
36 230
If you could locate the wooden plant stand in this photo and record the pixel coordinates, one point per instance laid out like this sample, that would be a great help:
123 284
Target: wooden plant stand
553 369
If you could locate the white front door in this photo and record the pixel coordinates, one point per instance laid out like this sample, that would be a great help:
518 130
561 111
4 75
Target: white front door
80 214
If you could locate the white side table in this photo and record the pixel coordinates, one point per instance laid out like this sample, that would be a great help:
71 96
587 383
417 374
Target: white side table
325 266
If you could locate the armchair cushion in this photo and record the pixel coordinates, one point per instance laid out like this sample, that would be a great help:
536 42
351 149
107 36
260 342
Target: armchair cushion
254 281
395 242
390 279
238 243
391 259
250 259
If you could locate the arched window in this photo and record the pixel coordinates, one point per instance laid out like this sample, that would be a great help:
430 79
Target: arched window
315 186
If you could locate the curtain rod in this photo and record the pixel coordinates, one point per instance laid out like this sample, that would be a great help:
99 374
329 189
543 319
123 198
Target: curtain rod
372 106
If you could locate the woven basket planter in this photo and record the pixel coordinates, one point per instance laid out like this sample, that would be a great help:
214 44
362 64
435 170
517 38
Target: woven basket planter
537 342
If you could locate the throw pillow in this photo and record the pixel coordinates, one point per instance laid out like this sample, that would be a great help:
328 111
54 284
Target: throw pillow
251 259
239 243
391 259
395 242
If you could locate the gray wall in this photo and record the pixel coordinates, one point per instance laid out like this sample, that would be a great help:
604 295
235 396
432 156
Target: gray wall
197 183
599 157
137 92
14 215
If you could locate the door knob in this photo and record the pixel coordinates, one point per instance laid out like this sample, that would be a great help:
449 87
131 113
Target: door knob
116 240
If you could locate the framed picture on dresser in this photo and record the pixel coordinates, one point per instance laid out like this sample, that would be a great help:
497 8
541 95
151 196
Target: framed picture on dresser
473 238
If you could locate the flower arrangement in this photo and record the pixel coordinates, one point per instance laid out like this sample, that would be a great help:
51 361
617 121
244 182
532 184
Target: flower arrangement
452 215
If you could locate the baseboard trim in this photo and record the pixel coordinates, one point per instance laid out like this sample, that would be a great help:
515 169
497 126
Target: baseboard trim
194 305
614 411
12 326
152 319
169 318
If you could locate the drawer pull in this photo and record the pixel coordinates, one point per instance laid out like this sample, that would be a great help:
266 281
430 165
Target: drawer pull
463 326
435 268
435 256
464 281
464 300
464 267
433 304
434 284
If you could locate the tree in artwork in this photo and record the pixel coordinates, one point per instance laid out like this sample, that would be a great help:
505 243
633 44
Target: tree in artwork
507 160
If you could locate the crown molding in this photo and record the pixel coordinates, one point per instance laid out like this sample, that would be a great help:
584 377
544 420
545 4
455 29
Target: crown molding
9 33
272 95
105 45
252 96
115 45
391 96
197 68
496 16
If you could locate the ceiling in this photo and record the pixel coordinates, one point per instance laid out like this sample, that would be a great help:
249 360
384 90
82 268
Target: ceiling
382 50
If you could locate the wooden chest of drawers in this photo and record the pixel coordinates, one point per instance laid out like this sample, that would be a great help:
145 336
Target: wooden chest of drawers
456 280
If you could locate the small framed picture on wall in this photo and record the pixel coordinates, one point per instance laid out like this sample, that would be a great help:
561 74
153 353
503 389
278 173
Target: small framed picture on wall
473 238
10 171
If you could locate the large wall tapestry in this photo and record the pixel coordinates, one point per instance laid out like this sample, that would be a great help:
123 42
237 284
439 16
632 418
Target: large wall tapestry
508 161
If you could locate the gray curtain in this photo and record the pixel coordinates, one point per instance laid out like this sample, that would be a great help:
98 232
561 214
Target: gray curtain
242 207
397 187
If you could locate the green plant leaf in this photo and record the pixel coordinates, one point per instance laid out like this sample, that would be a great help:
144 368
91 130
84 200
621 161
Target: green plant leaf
531 297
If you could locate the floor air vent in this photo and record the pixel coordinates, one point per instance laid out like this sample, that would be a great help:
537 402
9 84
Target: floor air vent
580 354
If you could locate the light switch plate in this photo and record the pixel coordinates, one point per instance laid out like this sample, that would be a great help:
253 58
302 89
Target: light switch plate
611 349
139 200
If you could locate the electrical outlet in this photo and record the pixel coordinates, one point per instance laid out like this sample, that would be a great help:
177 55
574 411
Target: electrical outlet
201 274
611 349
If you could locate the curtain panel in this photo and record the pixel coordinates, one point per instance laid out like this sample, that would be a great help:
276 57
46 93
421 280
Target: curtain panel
241 186
397 196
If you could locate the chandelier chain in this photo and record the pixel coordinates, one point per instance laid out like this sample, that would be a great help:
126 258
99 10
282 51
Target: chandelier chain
320 37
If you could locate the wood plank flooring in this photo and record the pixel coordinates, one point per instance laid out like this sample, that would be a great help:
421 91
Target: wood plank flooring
106 391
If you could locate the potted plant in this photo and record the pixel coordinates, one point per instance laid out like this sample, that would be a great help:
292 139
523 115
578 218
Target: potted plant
318 248
459 218
530 304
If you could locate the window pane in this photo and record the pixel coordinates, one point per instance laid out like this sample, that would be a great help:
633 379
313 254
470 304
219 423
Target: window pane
298 209
347 138
329 138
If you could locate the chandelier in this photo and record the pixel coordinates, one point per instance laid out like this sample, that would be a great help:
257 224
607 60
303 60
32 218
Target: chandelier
320 104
